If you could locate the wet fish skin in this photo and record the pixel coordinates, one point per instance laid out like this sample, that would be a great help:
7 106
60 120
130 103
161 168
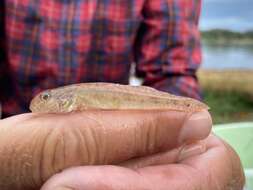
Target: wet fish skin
110 96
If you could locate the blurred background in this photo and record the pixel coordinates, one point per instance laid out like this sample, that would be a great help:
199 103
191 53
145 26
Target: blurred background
226 75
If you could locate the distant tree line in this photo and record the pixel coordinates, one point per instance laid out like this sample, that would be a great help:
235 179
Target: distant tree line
226 36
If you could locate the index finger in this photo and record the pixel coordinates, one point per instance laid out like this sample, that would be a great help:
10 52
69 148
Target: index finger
42 145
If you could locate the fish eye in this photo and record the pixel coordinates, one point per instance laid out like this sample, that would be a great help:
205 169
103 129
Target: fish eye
45 96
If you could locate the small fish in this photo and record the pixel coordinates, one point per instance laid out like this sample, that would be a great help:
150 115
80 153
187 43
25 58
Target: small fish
109 96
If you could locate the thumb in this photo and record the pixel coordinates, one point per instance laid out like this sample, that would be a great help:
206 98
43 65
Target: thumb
44 144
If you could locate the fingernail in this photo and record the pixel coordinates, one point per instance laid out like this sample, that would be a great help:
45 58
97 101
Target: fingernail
196 127
192 150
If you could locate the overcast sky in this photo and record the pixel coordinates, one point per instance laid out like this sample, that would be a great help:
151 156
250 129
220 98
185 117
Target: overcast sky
227 14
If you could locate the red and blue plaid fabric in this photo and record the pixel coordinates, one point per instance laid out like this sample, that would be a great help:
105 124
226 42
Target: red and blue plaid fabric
49 43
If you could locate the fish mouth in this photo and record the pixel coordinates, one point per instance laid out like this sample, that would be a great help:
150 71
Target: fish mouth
31 106
34 107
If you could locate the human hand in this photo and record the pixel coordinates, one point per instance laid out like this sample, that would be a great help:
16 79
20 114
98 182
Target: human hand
218 168
36 146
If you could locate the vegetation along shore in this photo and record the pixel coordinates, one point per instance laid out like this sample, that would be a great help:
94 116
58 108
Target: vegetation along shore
227 37
229 93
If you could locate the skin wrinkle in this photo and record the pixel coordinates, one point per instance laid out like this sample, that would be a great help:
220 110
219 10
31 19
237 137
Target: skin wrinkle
143 138
64 148
153 158
90 140
136 137
96 147
141 124
36 177
103 142
59 149
82 142
147 135
151 133
81 145
28 164
43 153
51 140
86 139
54 155
156 136
74 139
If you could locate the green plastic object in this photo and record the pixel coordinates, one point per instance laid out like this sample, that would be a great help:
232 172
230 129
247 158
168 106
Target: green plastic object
240 137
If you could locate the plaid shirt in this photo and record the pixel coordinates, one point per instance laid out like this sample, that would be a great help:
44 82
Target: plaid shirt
49 43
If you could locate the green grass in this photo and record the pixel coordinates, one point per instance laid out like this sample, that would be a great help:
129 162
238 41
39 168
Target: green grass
229 106
229 94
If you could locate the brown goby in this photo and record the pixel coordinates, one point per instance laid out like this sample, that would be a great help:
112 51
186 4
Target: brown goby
108 96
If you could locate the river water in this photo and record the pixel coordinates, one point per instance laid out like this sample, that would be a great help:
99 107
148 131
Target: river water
227 57
218 57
